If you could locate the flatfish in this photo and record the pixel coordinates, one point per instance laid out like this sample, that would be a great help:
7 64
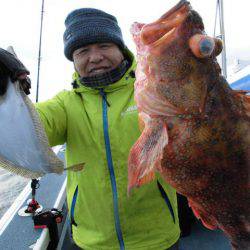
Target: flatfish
24 147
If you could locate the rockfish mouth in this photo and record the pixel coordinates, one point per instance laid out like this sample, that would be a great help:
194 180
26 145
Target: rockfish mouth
164 29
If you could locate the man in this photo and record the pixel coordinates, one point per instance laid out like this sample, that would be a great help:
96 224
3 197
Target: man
98 121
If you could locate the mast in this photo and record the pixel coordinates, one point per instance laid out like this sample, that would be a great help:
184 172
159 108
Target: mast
222 31
39 52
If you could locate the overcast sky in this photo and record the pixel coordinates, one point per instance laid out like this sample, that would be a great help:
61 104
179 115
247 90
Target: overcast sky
20 25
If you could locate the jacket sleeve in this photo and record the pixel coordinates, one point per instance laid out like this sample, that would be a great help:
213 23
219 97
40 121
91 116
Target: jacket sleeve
54 119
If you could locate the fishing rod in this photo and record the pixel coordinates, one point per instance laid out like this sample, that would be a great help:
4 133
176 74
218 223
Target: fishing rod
33 204
39 52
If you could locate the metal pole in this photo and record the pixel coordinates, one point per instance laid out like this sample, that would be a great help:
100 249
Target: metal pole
39 52
216 14
222 30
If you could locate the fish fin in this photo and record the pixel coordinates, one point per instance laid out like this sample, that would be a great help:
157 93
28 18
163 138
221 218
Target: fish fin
146 154
241 92
76 167
242 95
153 104
207 220
19 170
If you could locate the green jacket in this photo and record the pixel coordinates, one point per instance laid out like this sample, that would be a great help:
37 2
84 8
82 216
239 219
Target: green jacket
102 214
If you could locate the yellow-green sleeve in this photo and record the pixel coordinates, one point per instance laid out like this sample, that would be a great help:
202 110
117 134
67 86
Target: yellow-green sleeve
53 116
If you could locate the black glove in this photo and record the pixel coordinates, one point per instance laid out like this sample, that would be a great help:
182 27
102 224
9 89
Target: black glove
11 66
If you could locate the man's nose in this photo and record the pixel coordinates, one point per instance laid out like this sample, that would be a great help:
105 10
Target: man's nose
95 57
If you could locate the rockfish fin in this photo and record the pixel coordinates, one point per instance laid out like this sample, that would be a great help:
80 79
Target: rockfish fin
207 220
242 95
146 154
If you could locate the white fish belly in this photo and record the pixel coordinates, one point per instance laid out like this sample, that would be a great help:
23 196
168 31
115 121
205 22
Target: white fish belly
24 147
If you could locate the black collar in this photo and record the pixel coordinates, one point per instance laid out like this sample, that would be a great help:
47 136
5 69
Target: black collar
105 79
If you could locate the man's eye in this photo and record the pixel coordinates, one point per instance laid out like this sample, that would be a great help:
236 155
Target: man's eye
104 46
83 51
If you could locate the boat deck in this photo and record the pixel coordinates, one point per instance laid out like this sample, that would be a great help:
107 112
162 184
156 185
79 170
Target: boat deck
204 239
20 234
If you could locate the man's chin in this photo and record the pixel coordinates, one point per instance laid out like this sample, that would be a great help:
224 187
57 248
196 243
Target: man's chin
98 72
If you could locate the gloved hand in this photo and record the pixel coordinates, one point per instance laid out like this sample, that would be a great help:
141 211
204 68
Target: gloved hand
11 66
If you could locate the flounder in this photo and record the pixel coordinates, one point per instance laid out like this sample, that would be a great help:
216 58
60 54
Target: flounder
24 147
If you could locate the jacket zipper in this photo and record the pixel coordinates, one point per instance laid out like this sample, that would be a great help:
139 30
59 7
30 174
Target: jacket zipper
72 210
111 168
165 197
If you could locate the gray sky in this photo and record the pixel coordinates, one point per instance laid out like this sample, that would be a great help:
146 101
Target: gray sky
20 24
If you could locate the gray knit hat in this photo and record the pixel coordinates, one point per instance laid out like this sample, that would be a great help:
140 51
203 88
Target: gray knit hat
85 26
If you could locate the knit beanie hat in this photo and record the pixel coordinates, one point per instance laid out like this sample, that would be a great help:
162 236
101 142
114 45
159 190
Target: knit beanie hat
87 25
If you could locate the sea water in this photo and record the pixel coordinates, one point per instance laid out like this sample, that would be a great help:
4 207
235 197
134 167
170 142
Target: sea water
10 187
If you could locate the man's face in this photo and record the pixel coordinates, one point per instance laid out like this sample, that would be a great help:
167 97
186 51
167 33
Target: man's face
97 58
